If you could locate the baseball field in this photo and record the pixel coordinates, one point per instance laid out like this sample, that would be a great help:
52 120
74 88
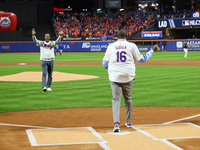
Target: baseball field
77 114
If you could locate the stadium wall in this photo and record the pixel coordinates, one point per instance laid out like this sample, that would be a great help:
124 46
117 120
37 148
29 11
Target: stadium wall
97 46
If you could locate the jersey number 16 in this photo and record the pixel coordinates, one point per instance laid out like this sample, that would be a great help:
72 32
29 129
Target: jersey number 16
121 56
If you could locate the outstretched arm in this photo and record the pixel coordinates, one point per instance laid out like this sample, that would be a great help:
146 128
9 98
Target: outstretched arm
149 54
58 39
38 42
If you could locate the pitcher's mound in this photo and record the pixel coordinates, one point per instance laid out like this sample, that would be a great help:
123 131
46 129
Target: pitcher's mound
37 77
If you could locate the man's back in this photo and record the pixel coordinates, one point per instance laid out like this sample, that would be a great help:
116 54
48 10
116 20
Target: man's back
121 56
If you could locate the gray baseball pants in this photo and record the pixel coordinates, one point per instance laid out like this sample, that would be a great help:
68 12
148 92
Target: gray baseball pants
117 89
47 66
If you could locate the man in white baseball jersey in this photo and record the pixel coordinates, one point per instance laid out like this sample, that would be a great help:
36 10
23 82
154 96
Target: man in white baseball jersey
120 60
46 57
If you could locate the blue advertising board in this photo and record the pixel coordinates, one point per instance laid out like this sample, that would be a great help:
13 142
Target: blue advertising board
151 34
67 46
85 46
175 23
193 45
19 47
141 49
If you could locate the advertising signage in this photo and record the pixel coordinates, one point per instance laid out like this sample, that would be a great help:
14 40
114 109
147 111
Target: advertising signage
72 46
113 3
151 34
193 45
195 14
177 23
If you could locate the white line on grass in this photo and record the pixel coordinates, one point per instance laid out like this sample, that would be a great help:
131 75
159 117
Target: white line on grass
182 119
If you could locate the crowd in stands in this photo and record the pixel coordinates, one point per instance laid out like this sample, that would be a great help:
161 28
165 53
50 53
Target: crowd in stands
176 15
180 13
100 24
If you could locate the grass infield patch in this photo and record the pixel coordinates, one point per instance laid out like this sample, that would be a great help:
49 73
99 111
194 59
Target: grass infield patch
154 86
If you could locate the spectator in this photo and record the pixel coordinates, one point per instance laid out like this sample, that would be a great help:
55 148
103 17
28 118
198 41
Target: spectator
88 24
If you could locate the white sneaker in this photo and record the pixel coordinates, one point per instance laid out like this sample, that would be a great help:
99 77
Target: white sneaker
49 89
44 89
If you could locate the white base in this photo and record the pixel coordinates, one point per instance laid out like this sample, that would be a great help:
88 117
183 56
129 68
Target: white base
119 133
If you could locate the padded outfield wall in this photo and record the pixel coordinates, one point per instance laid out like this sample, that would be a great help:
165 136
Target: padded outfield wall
97 46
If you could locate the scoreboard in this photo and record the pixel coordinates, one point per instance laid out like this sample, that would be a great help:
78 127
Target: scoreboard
113 3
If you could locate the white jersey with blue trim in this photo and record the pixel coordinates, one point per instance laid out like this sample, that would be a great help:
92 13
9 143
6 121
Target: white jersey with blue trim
46 48
121 56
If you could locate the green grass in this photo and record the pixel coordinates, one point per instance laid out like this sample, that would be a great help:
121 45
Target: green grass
154 86
92 56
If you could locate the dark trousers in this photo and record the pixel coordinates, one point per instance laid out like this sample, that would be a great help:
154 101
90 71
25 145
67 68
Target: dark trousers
47 66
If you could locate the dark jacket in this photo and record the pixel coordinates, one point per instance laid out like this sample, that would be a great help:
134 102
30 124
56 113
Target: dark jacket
185 45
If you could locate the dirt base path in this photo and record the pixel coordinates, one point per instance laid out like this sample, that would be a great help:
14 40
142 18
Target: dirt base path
15 137
148 63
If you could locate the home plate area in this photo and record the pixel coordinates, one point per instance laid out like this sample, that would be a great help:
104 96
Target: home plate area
140 137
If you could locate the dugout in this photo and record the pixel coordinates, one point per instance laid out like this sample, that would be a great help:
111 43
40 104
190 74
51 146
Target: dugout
182 33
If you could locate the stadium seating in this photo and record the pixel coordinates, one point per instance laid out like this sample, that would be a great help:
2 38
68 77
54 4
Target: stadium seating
96 25
179 14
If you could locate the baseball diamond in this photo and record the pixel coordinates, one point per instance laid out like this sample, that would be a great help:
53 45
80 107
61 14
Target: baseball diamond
174 127
99 75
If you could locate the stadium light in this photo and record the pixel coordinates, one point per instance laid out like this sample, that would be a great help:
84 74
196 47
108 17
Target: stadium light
139 5
145 5
99 9
153 5
122 9
156 4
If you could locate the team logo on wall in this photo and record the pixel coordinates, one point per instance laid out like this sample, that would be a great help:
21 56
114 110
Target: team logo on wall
179 44
185 23
196 14
5 22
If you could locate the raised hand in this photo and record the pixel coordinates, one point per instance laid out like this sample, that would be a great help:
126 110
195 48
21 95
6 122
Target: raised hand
33 31
155 48
61 32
